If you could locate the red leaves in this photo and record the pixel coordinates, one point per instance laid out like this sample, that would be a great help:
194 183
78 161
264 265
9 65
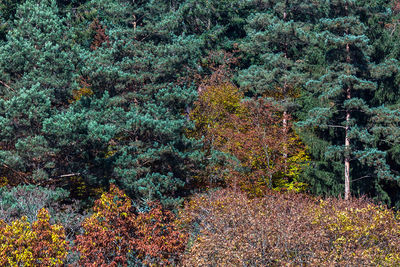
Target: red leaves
158 237
115 230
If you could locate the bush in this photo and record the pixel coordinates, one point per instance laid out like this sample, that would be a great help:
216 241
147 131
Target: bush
158 238
229 229
36 244
116 233
27 200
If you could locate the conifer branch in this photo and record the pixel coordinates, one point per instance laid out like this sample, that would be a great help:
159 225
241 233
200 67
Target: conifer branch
6 85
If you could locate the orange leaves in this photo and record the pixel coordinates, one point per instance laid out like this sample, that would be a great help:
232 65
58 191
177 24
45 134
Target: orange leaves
256 132
115 230
109 232
39 244
158 236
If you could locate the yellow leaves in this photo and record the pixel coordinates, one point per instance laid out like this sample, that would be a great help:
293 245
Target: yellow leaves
110 153
39 244
81 189
3 181
78 94
214 105
361 229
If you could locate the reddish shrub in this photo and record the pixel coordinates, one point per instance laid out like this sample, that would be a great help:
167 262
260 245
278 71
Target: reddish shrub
115 231
289 230
158 239
109 232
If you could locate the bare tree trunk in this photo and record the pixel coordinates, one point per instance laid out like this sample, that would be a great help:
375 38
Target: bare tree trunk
285 115
347 151
346 138
285 135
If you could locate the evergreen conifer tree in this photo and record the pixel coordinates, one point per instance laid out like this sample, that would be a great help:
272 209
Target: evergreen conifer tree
132 125
341 125
37 73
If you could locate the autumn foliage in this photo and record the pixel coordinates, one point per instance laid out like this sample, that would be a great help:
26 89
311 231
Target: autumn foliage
100 35
116 230
109 232
266 152
289 229
36 244
158 239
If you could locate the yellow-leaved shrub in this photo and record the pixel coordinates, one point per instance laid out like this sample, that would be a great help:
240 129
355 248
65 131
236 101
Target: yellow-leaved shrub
36 244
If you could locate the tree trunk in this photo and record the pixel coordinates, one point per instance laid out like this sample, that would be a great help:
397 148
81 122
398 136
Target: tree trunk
347 152
346 138
285 134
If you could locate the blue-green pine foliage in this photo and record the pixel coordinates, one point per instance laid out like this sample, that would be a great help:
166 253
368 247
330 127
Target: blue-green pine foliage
277 48
345 70
37 72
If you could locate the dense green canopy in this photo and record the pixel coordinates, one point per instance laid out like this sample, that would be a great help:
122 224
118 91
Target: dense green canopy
100 90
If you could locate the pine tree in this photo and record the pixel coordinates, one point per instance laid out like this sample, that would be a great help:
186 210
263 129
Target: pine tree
279 38
155 159
131 126
37 71
279 35
342 138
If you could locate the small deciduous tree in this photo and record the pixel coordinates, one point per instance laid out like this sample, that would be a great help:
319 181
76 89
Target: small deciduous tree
252 132
109 232
158 239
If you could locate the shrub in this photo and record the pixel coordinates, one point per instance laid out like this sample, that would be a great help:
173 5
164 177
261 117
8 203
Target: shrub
109 232
27 200
289 229
158 239
36 244
116 232
363 232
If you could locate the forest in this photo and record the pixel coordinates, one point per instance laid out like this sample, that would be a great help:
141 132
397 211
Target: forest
199 133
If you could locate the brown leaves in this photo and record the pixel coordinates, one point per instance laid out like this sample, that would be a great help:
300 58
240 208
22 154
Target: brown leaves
100 35
115 230
289 229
